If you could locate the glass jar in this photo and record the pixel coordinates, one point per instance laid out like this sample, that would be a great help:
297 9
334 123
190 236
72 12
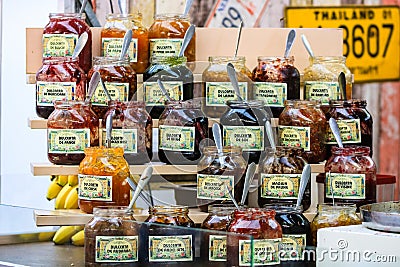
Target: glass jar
352 174
276 79
176 77
166 36
61 34
111 237
303 124
181 129
266 233
132 129
58 79
279 175
112 37
167 226
243 126
216 173
119 78
71 128
333 216
102 175
218 88
354 121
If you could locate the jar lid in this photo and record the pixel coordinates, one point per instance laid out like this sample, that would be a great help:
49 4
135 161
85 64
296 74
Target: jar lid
112 211
350 150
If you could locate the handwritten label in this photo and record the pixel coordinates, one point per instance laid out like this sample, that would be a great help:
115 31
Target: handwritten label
126 138
165 47
59 45
48 92
265 252
154 96
112 47
116 249
67 141
176 138
218 93
350 132
95 187
213 186
273 94
280 185
345 186
293 136
217 248
322 91
170 248
117 91
293 247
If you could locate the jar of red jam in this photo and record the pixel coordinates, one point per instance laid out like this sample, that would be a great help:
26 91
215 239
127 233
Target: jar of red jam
112 237
61 34
71 128
276 79
352 174
263 248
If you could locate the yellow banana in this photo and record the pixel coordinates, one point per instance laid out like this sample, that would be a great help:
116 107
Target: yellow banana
71 202
64 234
72 180
52 177
62 180
78 239
62 196
53 190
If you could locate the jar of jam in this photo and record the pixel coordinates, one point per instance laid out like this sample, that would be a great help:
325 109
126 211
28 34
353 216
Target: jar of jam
352 174
303 124
217 172
329 215
132 130
71 128
102 175
218 88
263 248
58 79
112 37
243 126
119 79
182 128
111 237
276 79
354 121
176 77
166 36
279 175
167 237
61 34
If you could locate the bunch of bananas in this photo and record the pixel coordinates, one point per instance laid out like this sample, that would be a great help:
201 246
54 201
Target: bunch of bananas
64 189
73 234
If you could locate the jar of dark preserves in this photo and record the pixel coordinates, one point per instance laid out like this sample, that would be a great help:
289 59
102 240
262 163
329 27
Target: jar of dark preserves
182 127
112 237
167 227
58 79
71 128
352 174
243 126
276 79
61 34
279 175
176 77
303 124
263 248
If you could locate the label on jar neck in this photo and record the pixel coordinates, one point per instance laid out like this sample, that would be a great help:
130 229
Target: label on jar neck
170 248
165 47
265 252
153 96
47 92
112 47
59 45
217 248
67 141
117 91
292 247
126 138
345 186
282 186
213 186
350 132
95 187
323 91
176 138
273 94
249 138
293 136
217 93
116 249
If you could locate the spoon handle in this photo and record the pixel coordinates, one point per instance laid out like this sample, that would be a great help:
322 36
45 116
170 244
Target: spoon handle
94 82
289 42
238 38
251 169
126 44
187 7
232 76
80 44
336 132
305 177
109 121
83 6
186 39
231 196
144 179
163 90
342 85
270 134
105 89
307 45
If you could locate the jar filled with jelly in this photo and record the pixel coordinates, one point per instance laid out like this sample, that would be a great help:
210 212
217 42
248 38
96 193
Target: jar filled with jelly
266 233
279 175
119 79
351 175
61 34
132 130
276 79
71 128
167 237
182 128
102 179
243 126
303 124
112 237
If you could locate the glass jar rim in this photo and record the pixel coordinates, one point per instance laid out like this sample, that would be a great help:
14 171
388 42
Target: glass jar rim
351 150
225 208
225 150
101 60
68 15
254 103
284 208
275 58
178 209
348 102
300 102
336 207
102 150
112 211
171 16
251 212
65 104
120 16
184 104
55 60
328 58
227 59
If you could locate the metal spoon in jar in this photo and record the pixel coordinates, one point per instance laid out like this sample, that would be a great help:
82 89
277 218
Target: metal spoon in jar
125 44
144 179
163 90
109 121
336 132
218 142
105 89
94 82
251 169
186 39
80 44
289 42
231 196
342 85
307 45
238 38
133 188
232 76
270 135
83 6
331 185
187 7
305 177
